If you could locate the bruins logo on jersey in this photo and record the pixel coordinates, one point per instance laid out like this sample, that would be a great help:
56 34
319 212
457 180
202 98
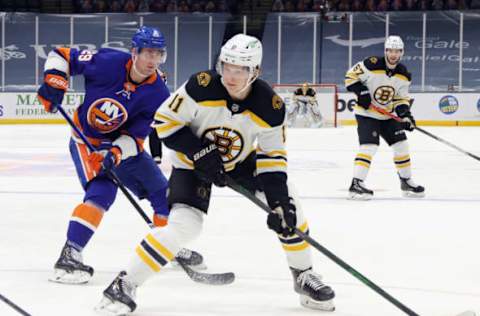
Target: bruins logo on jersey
277 102
229 142
203 79
384 94
373 60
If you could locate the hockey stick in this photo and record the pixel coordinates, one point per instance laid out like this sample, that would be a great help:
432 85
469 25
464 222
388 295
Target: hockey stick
14 306
240 189
200 277
398 119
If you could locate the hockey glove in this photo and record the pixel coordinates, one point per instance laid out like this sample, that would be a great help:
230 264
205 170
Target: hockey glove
105 160
408 122
209 165
364 99
52 90
283 218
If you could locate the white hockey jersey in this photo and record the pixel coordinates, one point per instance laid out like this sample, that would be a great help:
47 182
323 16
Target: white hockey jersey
237 127
388 88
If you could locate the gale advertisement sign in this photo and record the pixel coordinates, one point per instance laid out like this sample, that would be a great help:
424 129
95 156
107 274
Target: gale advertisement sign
431 107
26 108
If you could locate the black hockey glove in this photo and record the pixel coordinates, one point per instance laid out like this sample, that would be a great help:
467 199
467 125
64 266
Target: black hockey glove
364 99
155 147
363 96
403 112
209 165
283 217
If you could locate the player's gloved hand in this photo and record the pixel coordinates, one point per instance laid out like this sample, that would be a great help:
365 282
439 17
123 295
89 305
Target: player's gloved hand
52 90
209 165
105 160
408 122
283 217
364 99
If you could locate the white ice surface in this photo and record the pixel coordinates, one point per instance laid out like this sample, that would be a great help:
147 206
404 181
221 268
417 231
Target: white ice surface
426 253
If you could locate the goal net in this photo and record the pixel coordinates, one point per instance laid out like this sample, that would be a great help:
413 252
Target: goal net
304 111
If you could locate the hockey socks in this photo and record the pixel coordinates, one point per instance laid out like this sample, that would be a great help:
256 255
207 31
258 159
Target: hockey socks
85 219
154 252
401 158
363 160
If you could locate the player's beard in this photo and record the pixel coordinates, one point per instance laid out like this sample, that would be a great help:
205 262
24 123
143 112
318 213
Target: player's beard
392 64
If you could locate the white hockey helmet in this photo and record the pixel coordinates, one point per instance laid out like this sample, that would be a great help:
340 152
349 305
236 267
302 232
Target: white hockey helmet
394 42
242 50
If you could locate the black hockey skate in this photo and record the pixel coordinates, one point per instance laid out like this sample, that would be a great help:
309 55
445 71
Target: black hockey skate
69 268
190 258
411 189
358 191
118 298
313 292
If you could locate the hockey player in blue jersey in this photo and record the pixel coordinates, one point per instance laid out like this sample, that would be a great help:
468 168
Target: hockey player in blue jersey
122 93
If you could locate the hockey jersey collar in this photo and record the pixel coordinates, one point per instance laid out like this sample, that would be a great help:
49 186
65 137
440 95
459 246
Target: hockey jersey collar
149 80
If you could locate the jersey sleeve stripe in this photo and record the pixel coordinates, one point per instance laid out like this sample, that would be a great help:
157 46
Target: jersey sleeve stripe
213 103
184 159
256 119
64 52
401 77
161 117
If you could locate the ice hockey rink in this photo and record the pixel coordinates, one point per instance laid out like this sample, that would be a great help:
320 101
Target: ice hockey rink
424 252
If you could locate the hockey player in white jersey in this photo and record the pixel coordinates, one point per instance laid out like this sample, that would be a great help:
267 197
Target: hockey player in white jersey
222 123
384 82
304 110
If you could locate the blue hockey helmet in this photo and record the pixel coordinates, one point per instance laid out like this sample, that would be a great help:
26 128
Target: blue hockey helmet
148 37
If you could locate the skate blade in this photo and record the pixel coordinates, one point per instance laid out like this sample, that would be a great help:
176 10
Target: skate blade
359 197
199 267
410 194
308 302
64 277
108 307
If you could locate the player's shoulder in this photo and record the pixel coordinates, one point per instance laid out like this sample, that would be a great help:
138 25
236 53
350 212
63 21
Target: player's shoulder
111 56
204 85
266 103
402 72
374 63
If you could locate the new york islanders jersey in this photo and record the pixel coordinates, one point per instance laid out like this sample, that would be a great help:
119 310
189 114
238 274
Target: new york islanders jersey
113 104
237 127
388 88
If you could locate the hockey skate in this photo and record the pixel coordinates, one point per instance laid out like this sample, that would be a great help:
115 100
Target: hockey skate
69 268
411 189
358 191
313 292
118 298
190 258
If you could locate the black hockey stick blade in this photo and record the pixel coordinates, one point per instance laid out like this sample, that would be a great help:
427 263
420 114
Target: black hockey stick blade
14 306
207 278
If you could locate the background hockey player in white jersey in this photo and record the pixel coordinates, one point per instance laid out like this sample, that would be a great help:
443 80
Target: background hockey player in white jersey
304 111
218 124
384 82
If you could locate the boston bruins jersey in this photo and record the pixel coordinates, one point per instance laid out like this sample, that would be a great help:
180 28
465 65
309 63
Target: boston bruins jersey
237 127
388 88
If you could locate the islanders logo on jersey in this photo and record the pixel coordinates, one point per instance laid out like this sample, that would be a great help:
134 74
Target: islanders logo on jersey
106 115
